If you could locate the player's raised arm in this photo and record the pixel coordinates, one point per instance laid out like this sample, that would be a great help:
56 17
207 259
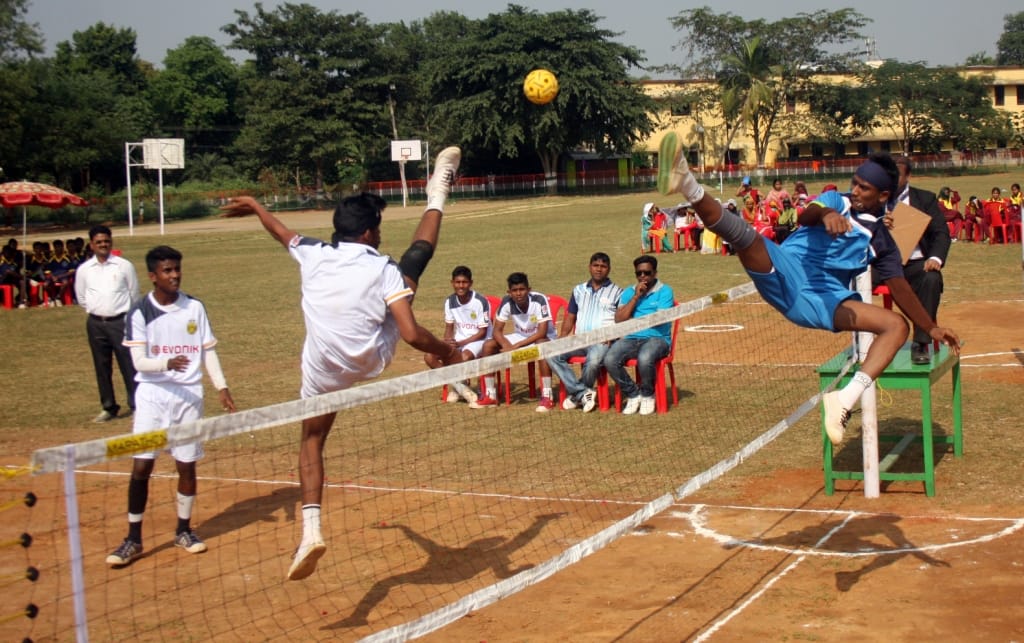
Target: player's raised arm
246 205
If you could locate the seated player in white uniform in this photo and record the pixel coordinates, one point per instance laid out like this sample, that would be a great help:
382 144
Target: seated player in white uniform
467 324
530 315
169 336
356 303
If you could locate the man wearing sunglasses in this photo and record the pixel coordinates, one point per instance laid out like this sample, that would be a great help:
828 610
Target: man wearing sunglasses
646 346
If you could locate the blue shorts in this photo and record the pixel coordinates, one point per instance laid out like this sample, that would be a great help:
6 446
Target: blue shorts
806 302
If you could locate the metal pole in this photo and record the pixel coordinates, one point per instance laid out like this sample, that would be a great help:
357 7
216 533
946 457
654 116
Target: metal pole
160 183
394 131
128 172
868 404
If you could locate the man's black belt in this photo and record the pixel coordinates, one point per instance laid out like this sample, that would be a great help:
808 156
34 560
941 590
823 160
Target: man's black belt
107 319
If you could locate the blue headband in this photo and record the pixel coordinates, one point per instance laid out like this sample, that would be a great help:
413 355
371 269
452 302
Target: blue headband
876 175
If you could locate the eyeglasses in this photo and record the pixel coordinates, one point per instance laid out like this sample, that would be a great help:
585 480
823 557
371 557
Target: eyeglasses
644 273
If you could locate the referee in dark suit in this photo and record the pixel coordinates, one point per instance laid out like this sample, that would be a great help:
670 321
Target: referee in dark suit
924 268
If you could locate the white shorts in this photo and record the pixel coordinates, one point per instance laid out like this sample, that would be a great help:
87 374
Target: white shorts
474 347
515 338
158 406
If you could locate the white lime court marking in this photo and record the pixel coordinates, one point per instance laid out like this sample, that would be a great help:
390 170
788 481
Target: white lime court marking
697 516
713 328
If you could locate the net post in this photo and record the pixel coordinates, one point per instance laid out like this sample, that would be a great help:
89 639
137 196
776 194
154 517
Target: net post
75 545
868 403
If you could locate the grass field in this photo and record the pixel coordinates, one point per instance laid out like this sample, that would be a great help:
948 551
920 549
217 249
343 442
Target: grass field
250 287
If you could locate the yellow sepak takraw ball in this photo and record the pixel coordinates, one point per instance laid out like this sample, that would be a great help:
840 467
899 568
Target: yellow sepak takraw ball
540 87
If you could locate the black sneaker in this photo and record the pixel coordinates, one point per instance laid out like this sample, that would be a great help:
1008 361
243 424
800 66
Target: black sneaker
125 554
190 542
919 353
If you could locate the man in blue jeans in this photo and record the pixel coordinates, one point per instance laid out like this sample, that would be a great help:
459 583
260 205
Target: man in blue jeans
646 346
592 305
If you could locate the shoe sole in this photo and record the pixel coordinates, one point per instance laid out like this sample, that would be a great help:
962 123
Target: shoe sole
829 402
197 548
666 161
307 565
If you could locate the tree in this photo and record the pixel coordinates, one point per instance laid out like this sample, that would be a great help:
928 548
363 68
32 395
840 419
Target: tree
104 48
761 66
979 59
924 106
18 38
1010 46
312 93
195 95
474 72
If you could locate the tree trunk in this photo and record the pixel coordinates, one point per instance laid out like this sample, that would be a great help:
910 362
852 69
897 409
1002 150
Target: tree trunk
549 162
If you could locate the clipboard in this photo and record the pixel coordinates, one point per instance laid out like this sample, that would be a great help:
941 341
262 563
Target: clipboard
909 224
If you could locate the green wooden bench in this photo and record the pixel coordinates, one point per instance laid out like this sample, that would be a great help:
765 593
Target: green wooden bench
902 374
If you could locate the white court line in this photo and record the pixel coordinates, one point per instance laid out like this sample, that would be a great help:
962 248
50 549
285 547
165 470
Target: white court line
697 518
706 634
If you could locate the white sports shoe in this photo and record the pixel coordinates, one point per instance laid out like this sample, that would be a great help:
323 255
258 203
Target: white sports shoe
836 416
589 400
445 168
452 396
463 391
568 404
632 406
679 179
646 405
305 559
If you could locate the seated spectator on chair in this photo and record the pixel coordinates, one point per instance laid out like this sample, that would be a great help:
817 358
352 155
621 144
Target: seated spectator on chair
687 226
531 323
787 221
35 264
800 188
647 346
592 305
995 203
658 229
974 219
467 325
61 274
1016 203
776 195
745 188
11 274
954 220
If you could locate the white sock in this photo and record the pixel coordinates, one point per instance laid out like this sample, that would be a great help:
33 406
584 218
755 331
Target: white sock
311 523
852 391
489 388
545 387
185 506
436 202
688 185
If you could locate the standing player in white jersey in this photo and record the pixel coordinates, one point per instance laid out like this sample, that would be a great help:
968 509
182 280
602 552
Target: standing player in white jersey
169 336
467 324
356 303
530 314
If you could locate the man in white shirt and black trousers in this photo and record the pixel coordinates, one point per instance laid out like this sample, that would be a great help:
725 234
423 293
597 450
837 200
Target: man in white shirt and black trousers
106 287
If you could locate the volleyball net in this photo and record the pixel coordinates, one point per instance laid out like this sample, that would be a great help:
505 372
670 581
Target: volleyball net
431 510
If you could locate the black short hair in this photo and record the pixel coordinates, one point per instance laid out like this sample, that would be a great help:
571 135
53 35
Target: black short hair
601 256
646 259
356 214
161 253
99 229
462 271
517 278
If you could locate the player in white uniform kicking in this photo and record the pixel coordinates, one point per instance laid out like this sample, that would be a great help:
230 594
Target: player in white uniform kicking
467 324
530 314
356 303
169 335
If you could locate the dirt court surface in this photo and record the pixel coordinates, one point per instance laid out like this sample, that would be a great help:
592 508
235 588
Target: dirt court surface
749 558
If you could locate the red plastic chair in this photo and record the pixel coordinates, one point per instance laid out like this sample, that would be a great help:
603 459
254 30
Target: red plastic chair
688 234
557 305
996 224
661 387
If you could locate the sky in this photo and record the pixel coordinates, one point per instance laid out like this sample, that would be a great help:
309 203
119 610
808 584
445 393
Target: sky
937 32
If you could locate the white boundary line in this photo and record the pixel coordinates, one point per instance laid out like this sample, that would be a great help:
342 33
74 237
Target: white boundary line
697 518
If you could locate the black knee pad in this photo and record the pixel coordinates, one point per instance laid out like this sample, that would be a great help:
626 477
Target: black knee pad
415 259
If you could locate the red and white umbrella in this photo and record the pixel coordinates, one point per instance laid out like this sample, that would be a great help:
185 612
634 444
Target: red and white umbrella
26 193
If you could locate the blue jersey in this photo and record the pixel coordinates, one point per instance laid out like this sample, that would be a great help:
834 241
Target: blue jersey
813 270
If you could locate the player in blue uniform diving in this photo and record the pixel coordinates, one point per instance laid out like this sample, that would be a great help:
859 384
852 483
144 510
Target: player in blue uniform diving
808 277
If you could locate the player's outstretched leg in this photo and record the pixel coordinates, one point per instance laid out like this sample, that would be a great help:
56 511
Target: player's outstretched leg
446 166
414 261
